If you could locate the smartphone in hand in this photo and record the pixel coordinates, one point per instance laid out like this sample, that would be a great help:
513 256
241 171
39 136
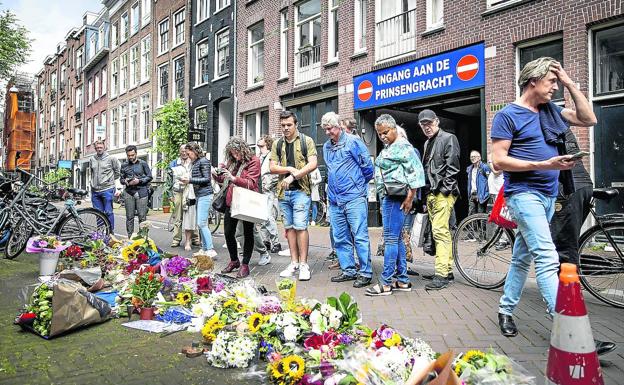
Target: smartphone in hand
579 155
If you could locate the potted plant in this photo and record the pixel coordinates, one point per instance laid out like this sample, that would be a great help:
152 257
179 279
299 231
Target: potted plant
166 205
144 290
49 247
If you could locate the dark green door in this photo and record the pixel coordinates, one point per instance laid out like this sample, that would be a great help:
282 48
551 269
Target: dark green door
609 146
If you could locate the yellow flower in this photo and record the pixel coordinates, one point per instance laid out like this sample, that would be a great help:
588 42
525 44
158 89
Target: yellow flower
230 302
277 370
473 354
294 367
183 298
211 327
396 338
127 253
255 321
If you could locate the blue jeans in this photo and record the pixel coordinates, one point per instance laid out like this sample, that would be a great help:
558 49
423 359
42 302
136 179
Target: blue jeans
103 201
295 206
203 208
532 212
350 228
393 218
314 210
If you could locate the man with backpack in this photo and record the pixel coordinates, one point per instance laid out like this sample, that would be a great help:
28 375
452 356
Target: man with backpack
293 158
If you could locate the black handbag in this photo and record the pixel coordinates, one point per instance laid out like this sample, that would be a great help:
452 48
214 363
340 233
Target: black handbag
395 189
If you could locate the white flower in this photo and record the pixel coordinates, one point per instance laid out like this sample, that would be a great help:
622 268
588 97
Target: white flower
326 309
291 333
289 319
334 319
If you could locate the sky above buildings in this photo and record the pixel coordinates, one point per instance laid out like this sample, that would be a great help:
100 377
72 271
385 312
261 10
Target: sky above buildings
48 21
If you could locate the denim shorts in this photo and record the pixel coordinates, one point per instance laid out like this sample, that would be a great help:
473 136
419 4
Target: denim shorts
295 206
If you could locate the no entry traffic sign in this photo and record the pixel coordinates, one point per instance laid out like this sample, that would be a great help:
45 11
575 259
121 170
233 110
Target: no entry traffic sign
467 67
365 90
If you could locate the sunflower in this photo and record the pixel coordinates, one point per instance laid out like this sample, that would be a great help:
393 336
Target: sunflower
230 302
473 356
127 253
294 367
184 298
277 369
213 325
255 321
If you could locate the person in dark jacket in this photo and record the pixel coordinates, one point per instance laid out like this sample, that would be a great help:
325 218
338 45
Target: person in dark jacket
136 176
201 180
441 163
478 192
241 168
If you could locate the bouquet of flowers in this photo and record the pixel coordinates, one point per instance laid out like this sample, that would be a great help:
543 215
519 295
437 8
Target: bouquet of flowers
177 266
232 350
146 286
40 309
46 243
287 370
477 367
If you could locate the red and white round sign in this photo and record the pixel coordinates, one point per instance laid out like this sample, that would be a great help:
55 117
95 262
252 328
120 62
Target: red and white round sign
467 67
365 91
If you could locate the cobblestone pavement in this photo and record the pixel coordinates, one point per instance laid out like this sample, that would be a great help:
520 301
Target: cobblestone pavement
461 317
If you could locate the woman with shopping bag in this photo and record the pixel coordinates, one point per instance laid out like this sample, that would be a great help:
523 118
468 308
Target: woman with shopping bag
242 169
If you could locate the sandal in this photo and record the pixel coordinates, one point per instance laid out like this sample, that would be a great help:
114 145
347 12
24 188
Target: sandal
397 287
378 290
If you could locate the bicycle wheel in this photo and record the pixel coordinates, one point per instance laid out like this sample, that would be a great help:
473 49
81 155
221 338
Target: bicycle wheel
600 267
18 239
482 251
81 228
214 220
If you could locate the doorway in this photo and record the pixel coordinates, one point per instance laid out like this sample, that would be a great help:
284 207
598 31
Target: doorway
225 125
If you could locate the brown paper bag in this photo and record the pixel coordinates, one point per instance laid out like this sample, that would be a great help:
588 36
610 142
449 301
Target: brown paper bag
443 366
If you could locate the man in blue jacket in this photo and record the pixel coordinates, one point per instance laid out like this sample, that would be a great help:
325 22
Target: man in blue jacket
478 192
349 169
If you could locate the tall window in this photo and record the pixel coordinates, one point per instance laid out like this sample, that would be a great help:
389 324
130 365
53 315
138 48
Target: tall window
89 132
146 6
114 132
609 60
123 123
163 36
178 68
284 43
103 125
124 73
163 84
201 118
135 69
220 4
115 77
96 86
332 47
53 115
395 28
435 14
63 73
202 63
134 18
61 146
256 125
203 10
79 99
92 46
79 143
134 120
530 52
255 54
104 80
146 64
53 81
125 27
62 109
114 35
178 27
145 116
79 59
361 10
90 92
222 53
308 33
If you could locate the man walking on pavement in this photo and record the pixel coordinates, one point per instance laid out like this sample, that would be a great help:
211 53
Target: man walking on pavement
136 176
349 169
478 192
441 164
293 157
525 135
178 192
268 183
104 173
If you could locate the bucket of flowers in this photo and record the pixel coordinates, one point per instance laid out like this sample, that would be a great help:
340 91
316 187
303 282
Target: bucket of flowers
48 247
144 290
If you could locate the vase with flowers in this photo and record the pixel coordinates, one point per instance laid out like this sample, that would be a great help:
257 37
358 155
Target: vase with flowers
144 289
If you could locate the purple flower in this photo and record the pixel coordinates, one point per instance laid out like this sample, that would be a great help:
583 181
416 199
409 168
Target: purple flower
219 286
386 334
177 265
346 339
326 369
42 244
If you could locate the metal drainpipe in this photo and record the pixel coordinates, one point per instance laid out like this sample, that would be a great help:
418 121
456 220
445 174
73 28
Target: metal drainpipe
235 82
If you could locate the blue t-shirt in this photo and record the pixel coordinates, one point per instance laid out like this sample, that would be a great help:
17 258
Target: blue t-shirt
522 127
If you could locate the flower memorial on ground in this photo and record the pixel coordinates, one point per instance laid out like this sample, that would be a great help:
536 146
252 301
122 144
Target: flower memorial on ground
290 340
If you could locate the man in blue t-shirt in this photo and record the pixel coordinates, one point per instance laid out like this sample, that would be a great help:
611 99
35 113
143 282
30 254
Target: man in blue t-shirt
531 163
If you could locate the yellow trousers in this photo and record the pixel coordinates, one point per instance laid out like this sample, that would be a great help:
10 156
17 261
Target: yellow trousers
440 208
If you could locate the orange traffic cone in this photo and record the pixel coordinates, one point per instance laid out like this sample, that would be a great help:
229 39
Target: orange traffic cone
572 358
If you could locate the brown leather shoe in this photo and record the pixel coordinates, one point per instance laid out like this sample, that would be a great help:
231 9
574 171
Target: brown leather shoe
334 265
243 271
233 265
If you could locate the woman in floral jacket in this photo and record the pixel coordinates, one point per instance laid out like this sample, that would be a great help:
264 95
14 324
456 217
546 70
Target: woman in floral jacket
397 165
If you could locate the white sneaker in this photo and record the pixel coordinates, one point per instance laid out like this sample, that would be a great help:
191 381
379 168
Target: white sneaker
312 223
284 253
264 259
289 270
304 272
211 253
199 253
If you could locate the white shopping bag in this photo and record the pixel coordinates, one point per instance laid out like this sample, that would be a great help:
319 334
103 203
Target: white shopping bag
249 205
419 220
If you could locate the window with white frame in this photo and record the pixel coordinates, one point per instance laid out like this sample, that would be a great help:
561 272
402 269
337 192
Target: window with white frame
361 10
395 25
53 81
163 84
114 132
79 143
146 64
332 40
53 115
201 118
123 123
114 35
61 146
534 50
134 18
125 27
134 120
63 73
123 79
308 33
222 53
608 49
202 75
256 125
62 109
104 80
135 69
145 116
178 74
255 54
203 10
284 43
90 92
41 121
103 125
163 36
146 6
178 27
500 3
53 148
220 4
115 78
79 58
41 90
89 131
79 99
96 86
435 14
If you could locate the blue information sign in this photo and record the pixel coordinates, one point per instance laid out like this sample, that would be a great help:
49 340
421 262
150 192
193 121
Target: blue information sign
452 71
65 164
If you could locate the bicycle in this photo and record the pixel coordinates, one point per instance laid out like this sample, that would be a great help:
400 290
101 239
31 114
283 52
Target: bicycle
601 253
482 251
68 223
